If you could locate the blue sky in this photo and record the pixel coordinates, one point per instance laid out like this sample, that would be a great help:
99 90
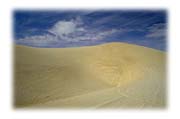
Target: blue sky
74 28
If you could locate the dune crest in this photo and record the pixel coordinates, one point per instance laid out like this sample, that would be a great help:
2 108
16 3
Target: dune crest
108 75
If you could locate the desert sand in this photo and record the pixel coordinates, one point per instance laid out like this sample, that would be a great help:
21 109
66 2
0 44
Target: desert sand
111 75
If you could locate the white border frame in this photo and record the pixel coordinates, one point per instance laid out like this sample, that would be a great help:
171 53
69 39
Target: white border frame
6 52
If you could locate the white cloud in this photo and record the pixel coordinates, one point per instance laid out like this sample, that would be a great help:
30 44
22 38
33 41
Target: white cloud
73 31
63 28
67 31
156 31
39 40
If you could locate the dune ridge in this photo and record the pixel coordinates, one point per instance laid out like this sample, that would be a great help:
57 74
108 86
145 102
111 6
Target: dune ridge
108 75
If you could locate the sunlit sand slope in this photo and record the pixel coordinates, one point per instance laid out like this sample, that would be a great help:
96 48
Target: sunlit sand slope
112 75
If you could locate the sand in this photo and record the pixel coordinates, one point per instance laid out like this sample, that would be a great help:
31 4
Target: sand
112 75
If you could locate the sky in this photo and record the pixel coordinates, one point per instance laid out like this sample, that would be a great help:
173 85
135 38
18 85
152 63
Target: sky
75 28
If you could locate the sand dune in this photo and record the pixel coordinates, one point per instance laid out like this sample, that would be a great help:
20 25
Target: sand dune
112 75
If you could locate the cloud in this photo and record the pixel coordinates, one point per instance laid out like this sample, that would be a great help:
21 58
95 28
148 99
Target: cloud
90 35
63 28
157 31
38 41
67 32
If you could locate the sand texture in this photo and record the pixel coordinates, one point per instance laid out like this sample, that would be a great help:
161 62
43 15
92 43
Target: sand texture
112 75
